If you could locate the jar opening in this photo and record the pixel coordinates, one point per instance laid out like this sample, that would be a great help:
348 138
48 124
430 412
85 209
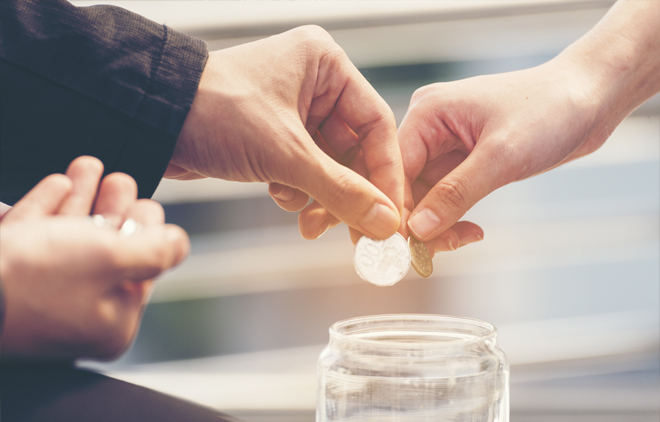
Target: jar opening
405 330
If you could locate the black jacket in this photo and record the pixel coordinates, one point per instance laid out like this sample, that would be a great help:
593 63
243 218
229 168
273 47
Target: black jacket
97 81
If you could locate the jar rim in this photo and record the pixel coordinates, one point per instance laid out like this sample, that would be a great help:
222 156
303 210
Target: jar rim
339 331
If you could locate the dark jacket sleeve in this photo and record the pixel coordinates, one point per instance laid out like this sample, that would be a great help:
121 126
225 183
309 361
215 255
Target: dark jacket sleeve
97 81
2 313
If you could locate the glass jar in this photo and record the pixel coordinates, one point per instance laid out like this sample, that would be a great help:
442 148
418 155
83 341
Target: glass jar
412 368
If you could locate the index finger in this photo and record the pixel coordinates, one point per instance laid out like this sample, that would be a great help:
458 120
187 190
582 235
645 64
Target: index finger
367 114
344 92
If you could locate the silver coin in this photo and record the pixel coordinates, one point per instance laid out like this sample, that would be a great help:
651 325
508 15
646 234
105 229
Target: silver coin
420 257
382 262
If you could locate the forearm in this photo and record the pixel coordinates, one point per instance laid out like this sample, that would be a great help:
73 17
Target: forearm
620 60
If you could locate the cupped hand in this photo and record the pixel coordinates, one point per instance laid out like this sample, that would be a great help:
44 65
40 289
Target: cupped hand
73 289
462 140
293 111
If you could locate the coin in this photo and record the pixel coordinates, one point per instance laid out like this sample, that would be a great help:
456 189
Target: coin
382 262
421 258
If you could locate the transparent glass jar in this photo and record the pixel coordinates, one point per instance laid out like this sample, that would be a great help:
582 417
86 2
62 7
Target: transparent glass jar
412 368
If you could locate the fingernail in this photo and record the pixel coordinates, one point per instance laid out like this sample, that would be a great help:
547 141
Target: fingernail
380 221
423 223
470 238
285 194
324 228
450 245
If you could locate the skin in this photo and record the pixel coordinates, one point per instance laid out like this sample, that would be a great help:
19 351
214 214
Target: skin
462 140
291 110
72 289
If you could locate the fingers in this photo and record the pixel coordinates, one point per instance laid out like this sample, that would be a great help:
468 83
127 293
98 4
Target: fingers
460 234
452 196
315 220
146 212
42 200
355 235
343 143
467 233
446 174
85 173
155 249
375 128
158 247
117 193
359 128
288 198
346 195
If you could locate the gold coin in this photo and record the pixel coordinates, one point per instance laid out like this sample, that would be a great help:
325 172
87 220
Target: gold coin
421 258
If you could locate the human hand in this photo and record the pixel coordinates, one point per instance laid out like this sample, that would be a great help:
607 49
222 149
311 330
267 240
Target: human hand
72 289
292 110
462 140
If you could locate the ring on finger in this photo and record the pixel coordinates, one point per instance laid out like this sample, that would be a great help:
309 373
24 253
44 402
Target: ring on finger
130 227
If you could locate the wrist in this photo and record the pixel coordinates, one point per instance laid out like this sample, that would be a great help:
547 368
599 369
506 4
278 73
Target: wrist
618 61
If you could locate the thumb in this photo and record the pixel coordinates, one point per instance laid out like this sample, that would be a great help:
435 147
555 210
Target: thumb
155 249
454 195
346 195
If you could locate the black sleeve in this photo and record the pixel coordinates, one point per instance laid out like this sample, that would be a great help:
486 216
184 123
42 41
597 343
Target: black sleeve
97 81
2 313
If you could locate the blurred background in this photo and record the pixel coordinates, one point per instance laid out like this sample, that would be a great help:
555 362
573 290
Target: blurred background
569 269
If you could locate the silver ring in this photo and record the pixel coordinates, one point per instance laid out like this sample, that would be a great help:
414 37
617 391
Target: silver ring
130 227
101 222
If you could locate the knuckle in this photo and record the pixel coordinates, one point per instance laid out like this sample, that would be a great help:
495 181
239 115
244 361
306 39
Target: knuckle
58 182
422 93
318 42
451 193
381 119
313 33
345 185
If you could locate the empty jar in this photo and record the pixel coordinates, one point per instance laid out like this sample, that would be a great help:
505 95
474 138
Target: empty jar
412 368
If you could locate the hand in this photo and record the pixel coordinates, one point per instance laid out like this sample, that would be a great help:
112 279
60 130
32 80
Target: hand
462 140
292 110
72 289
